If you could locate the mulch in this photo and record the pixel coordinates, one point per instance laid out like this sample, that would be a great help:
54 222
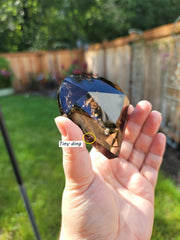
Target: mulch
171 164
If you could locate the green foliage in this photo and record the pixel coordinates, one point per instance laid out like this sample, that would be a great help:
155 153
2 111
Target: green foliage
5 73
38 24
20 22
4 64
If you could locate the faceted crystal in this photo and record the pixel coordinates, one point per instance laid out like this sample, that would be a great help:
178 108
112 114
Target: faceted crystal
97 106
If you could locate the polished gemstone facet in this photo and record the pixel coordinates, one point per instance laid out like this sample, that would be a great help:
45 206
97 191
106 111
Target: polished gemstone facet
97 106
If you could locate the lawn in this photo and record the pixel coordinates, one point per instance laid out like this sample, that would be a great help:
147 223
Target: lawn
30 121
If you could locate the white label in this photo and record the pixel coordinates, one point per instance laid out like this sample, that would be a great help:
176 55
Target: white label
70 143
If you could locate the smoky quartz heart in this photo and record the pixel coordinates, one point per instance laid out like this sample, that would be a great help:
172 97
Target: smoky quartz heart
97 106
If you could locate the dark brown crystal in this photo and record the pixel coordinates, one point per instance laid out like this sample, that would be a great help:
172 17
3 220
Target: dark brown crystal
97 106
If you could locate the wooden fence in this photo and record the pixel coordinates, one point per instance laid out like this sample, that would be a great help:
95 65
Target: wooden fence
145 65
40 64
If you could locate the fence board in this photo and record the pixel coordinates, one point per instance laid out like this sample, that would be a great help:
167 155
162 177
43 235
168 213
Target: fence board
122 67
137 81
95 60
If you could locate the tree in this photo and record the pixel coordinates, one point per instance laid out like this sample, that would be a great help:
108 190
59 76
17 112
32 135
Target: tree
52 24
19 21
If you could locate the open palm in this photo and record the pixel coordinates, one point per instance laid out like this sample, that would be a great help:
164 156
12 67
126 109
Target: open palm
112 199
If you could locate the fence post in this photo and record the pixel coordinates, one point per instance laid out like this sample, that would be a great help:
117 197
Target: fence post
130 72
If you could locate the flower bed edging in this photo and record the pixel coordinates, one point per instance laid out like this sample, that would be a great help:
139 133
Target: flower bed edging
6 92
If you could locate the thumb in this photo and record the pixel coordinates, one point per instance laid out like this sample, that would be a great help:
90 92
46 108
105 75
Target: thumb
76 160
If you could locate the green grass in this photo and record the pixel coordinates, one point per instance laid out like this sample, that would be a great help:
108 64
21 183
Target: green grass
30 121
167 210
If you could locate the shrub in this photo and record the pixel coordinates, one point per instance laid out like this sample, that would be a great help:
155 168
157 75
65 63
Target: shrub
5 73
75 68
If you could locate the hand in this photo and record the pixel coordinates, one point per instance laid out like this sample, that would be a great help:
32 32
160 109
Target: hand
112 199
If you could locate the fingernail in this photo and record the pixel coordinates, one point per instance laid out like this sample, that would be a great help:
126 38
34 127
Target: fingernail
130 109
61 126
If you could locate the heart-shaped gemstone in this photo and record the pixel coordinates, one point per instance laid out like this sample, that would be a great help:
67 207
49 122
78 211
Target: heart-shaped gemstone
98 107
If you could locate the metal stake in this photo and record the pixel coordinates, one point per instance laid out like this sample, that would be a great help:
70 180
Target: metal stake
18 176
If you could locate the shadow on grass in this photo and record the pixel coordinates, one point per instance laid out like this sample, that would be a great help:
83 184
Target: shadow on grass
166 229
